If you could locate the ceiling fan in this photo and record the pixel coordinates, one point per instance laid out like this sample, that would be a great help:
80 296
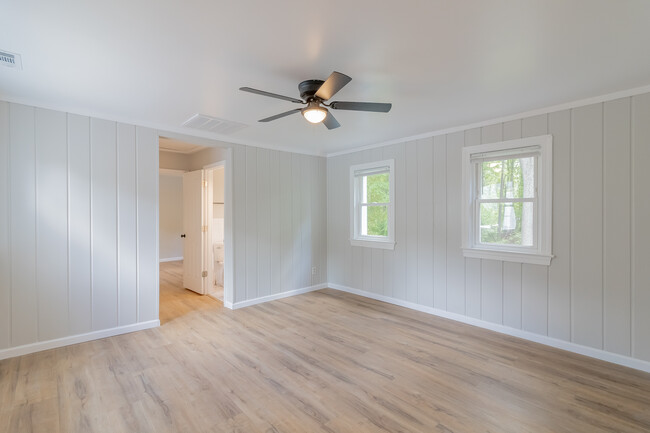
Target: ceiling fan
314 93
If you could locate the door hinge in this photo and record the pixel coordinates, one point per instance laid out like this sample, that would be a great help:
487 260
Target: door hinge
204 274
204 229
205 184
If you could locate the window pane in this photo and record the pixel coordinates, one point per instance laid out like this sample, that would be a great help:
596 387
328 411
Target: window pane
507 223
374 221
377 188
508 178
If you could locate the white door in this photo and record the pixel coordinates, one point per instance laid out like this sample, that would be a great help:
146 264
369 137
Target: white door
194 245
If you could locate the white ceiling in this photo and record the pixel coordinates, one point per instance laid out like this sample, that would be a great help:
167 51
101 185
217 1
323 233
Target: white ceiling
441 63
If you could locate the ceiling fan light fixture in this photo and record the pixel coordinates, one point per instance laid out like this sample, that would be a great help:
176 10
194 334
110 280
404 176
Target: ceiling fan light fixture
314 113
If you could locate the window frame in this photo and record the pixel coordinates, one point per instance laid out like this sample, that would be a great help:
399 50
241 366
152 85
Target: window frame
356 238
541 251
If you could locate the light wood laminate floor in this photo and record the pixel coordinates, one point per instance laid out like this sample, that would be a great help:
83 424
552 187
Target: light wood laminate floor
319 362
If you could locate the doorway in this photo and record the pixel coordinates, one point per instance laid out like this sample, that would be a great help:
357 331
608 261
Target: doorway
215 207
204 234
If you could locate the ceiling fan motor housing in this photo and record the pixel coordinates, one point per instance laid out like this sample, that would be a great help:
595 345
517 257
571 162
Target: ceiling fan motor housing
308 88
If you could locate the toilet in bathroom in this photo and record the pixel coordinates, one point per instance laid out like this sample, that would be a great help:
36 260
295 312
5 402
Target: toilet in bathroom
218 263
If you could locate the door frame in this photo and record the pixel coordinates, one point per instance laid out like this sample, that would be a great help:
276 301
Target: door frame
229 247
227 230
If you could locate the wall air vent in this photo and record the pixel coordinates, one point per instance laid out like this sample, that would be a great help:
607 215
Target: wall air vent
10 60
213 124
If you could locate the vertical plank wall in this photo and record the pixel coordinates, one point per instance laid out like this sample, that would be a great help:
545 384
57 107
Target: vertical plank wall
595 293
78 210
279 222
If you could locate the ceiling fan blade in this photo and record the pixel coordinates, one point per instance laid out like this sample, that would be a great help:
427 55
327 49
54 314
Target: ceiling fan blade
278 116
330 121
335 82
270 95
361 106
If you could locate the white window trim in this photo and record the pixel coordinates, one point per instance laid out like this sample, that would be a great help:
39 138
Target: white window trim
387 243
541 255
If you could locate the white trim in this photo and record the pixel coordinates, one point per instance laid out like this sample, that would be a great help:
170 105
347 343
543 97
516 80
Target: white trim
171 259
614 358
508 256
229 140
221 163
268 298
75 339
171 172
384 245
541 251
545 110
162 129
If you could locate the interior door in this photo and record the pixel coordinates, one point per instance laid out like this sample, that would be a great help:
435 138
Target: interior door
193 245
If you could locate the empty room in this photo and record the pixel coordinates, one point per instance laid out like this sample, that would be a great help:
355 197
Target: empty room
341 217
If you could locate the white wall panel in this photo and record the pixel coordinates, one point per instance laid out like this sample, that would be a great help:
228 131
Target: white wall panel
126 225
61 175
263 224
455 259
297 222
51 223
318 212
411 222
616 244
5 248
239 222
104 223
512 294
286 223
534 287
399 253
80 304
147 211
641 230
559 274
587 227
534 303
440 222
425 221
275 222
251 223
472 265
307 172
596 292
22 158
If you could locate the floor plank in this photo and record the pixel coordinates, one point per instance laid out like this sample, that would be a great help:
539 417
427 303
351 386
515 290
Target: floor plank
325 361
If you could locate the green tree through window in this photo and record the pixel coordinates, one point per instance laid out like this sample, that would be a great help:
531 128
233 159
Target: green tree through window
378 191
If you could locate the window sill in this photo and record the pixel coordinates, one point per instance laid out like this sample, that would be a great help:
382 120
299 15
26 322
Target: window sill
508 256
384 245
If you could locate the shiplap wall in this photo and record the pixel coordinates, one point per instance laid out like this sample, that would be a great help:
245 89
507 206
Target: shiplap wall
279 222
78 215
595 293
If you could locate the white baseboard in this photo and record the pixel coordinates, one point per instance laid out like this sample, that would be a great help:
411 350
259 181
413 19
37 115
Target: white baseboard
614 358
263 299
171 259
74 339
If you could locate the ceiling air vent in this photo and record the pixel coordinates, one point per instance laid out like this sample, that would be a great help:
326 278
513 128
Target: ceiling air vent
11 60
213 124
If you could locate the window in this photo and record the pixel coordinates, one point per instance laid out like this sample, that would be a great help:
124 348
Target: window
372 214
507 200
